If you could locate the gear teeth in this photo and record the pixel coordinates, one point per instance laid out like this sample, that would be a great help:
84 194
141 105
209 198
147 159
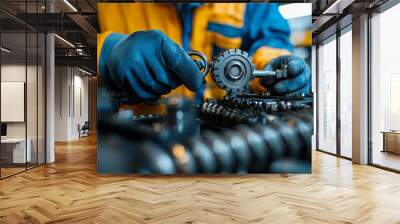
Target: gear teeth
218 69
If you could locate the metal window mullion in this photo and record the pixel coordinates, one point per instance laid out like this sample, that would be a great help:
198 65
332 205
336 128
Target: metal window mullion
369 78
26 87
317 96
37 91
338 94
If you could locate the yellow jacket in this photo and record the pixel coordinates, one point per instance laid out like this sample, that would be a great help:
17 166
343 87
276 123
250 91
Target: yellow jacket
256 28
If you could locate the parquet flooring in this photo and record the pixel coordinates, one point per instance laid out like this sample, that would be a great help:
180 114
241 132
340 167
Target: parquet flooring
70 191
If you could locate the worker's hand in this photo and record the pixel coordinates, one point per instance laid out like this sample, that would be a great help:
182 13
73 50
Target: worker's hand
298 76
147 64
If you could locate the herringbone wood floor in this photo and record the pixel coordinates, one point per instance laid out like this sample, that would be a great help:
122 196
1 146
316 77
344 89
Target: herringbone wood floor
70 191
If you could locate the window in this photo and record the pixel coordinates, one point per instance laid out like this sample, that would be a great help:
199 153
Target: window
385 89
346 93
327 96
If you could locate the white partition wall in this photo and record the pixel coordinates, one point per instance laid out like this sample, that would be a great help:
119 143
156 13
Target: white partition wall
71 102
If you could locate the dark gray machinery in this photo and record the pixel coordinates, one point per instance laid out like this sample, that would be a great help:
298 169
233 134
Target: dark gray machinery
242 133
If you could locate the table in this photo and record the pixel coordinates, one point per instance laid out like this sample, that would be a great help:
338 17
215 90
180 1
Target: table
13 150
391 141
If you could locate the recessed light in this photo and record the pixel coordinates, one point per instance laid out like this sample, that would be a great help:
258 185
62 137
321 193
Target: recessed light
5 50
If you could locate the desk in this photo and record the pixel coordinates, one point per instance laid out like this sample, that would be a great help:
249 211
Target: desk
13 150
391 141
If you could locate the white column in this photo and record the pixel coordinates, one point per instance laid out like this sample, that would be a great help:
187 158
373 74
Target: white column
50 98
360 90
314 90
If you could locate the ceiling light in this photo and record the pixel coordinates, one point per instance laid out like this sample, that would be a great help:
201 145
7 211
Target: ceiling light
65 41
84 71
70 5
338 6
295 10
5 50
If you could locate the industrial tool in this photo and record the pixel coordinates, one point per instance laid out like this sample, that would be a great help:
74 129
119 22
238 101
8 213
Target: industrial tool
233 70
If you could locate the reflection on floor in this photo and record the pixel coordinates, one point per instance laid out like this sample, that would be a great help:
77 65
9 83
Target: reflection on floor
9 170
387 159
71 191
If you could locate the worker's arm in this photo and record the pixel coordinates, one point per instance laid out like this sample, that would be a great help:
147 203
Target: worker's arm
145 65
267 39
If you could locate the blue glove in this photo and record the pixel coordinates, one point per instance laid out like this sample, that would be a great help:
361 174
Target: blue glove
146 65
298 79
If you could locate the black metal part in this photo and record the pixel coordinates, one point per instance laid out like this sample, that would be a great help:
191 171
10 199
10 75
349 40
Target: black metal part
258 149
233 70
205 159
223 153
240 150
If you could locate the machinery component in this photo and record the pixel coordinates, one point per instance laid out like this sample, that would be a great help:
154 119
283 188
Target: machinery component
259 153
289 135
223 154
184 159
263 102
218 114
233 69
290 166
273 140
201 60
240 150
156 159
205 159
245 133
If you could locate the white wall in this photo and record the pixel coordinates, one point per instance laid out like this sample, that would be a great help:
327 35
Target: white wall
16 72
71 102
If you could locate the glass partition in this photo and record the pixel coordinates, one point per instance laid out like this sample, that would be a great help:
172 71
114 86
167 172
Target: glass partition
14 145
326 104
23 89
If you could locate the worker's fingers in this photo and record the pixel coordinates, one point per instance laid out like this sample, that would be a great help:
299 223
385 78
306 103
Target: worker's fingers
146 79
276 63
293 84
160 72
181 65
295 66
268 81
139 90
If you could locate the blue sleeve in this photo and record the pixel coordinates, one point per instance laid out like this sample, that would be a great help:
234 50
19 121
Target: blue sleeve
265 26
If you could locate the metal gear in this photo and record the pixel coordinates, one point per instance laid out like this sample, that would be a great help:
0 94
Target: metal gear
233 70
